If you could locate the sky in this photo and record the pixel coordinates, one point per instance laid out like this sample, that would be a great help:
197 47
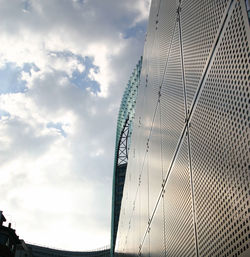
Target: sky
64 65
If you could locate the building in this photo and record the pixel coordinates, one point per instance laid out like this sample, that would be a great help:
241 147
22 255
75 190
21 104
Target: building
181 179
186 190
28 250
41 251
12 246
8 239
123 137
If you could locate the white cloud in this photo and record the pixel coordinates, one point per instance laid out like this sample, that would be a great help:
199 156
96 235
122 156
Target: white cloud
58 187
142 7
66 64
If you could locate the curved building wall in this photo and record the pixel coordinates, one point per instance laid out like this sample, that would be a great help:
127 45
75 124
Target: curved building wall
123 136
39 251
186 190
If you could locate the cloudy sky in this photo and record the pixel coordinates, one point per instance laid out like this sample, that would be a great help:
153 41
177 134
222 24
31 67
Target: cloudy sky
63 67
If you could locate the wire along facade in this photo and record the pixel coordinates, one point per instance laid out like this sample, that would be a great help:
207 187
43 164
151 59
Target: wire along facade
123 136
186 190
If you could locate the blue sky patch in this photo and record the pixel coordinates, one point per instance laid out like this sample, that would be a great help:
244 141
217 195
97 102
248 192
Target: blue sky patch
26 5
58 127
81 79
27 67
10 79
4 113
137 31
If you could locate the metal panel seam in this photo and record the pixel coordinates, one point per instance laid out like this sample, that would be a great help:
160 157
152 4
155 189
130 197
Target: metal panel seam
188 139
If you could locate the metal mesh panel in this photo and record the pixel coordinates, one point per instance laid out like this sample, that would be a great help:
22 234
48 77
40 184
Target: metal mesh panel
172 102
142 122
150 38
152 81
138 151
132 240
157 241
144 199
215 46
200 21
136 226
180 239
165 28
127 210
220 140
145 251
151 96
123 226
154 164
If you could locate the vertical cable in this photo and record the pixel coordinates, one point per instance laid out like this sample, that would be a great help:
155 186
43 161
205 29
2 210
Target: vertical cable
187 124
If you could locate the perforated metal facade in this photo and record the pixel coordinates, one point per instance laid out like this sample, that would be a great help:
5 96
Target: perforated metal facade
186 190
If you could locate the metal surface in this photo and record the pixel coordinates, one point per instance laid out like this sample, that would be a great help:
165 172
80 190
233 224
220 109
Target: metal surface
172 101
187 183
123 135
201 20
145 250
157 232
179 220
154 164
220 137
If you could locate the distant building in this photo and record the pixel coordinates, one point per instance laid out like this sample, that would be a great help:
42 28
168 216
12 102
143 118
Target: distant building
123 137
12 246
39 251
